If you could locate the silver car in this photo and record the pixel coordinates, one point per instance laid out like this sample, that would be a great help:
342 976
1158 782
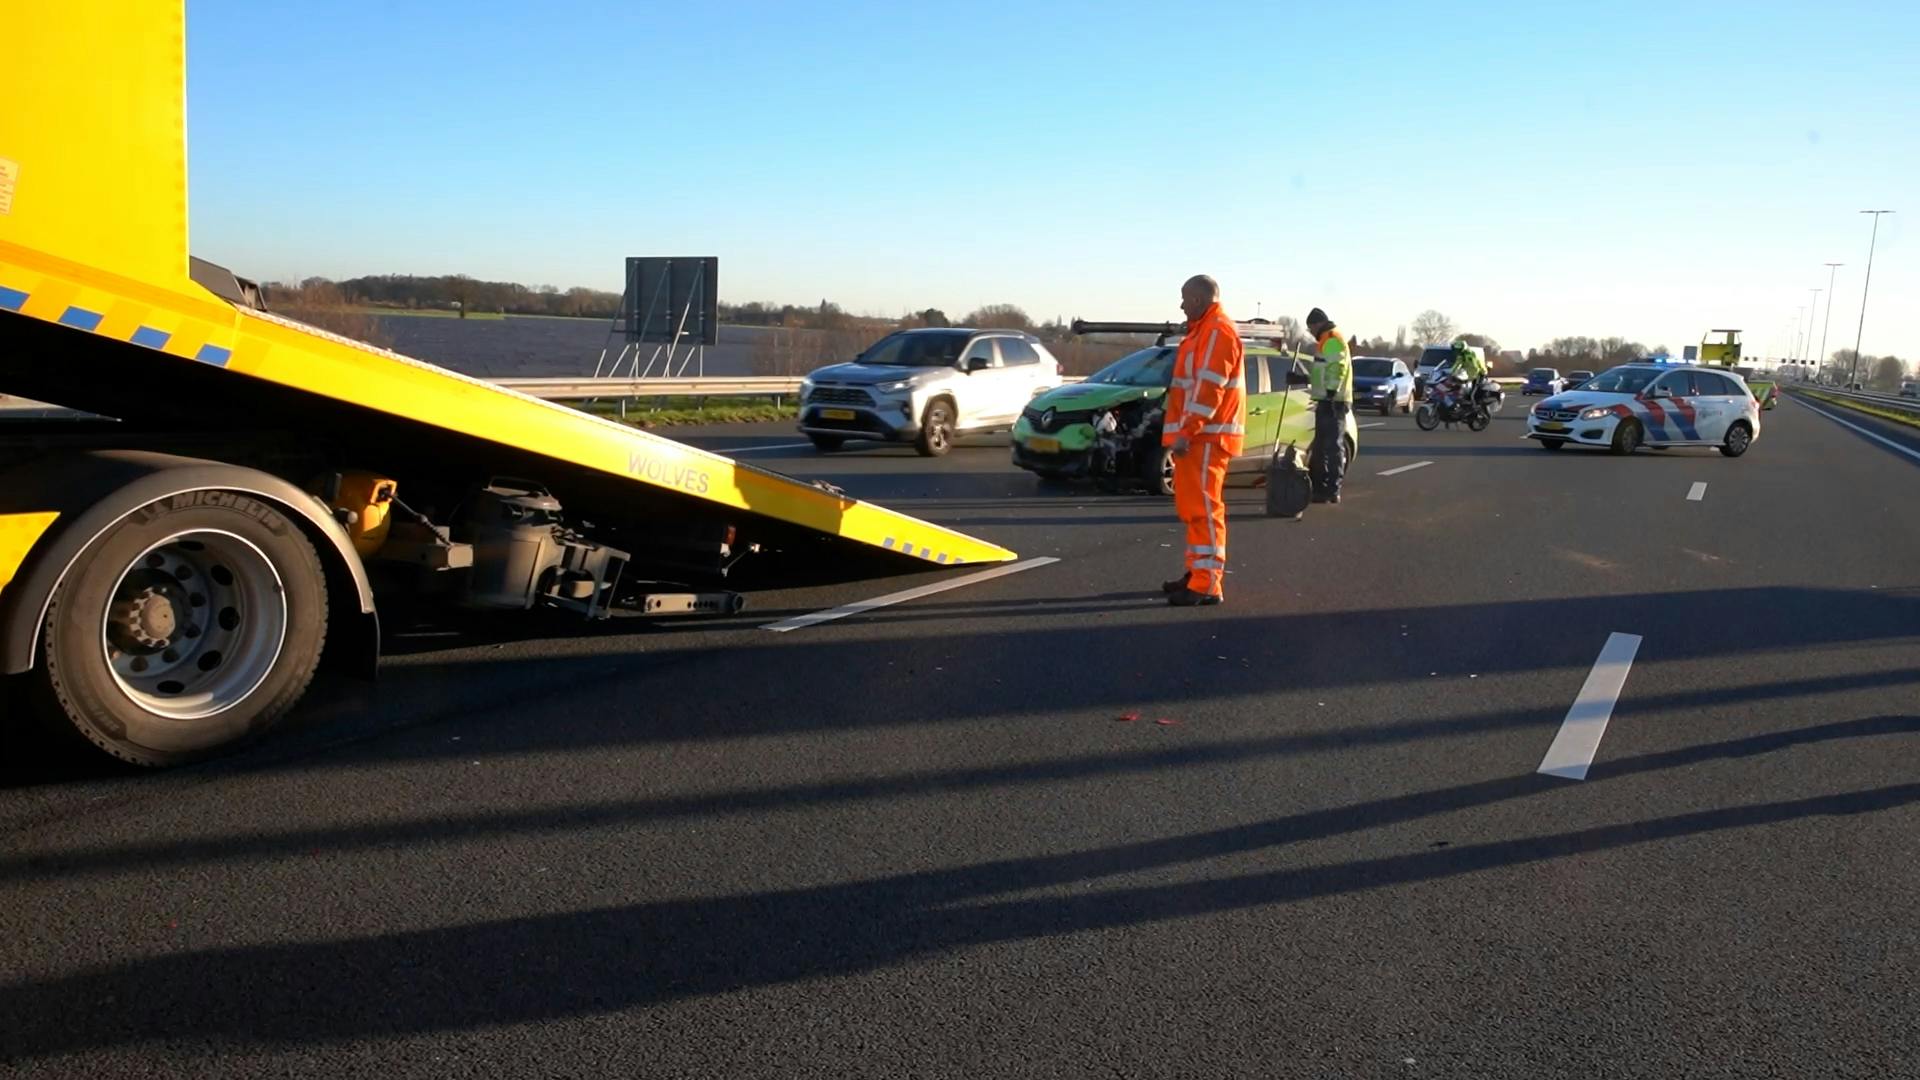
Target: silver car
927 387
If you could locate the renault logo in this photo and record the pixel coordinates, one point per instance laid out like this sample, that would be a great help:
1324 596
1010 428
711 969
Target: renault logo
1046 419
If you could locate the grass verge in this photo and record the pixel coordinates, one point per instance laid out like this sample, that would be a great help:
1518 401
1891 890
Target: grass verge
679 412
1909 419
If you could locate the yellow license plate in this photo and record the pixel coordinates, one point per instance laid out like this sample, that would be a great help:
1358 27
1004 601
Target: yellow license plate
1553 427
1041 444
836 414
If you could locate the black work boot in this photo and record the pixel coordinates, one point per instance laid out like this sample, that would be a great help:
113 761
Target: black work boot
1174 586
1188 598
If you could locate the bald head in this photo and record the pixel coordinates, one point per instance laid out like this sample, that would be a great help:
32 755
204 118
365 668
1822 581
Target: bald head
1197 295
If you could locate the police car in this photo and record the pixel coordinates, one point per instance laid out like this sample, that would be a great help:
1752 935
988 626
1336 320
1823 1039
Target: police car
1654 405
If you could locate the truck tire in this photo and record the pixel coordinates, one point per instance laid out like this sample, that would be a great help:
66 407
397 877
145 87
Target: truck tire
185 629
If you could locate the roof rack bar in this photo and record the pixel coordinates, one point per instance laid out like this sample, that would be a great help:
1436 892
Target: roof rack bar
1171 329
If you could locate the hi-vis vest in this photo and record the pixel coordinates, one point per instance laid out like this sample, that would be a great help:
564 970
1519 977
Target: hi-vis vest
1332 374
1207 400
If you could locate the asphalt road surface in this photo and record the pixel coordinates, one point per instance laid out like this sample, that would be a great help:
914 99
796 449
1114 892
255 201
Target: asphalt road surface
1043 825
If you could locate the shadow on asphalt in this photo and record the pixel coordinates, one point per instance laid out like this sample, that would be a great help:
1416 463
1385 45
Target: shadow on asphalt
609 692
598 961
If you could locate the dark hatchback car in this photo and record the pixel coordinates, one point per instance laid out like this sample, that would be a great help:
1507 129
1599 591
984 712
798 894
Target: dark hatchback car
1543 380
1576 379
1382 383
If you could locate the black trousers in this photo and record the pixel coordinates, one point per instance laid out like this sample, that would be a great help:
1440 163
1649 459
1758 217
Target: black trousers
1329 445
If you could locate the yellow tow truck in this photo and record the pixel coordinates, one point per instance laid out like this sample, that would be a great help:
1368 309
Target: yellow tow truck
234 490
1725 353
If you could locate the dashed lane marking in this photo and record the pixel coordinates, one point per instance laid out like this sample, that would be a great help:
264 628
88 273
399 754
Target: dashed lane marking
1579 738
860 606
1406 468
1698 491
1376 423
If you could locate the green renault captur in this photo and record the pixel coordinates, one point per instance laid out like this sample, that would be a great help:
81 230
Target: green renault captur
1108 427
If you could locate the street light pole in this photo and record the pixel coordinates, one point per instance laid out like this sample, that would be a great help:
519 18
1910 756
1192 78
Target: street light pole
1858 330
1832 269
1813 314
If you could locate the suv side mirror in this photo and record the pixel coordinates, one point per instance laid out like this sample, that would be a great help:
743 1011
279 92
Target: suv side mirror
977 363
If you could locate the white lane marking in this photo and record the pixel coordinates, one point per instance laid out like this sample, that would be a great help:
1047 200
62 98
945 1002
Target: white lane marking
859 606
1407 468
1910 452
751 449
1579 738
1376 423
1698 491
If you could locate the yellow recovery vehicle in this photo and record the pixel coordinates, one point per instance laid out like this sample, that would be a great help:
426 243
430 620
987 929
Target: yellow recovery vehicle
1726 353
174 569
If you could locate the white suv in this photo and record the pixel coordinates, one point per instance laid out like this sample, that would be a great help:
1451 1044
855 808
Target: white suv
927 387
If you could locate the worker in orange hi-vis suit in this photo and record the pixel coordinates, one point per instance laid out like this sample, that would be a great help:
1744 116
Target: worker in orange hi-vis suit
1204 428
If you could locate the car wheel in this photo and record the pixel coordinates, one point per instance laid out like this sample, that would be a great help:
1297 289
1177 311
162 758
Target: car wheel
826 444
1626 438
1552 444
1157 471
1739 437
936 430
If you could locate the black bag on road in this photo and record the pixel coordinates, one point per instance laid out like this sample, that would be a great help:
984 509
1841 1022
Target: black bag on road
1289 489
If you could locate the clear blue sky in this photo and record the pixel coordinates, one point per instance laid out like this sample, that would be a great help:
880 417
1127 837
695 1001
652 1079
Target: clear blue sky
1650 170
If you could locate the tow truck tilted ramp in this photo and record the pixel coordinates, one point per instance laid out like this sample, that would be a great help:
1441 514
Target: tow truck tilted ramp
169 577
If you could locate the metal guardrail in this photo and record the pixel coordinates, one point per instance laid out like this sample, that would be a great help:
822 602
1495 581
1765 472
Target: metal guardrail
1892 402
563 389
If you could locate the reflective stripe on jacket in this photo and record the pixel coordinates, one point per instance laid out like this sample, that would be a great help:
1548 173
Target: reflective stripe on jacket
1332 372
1468 367
1207 399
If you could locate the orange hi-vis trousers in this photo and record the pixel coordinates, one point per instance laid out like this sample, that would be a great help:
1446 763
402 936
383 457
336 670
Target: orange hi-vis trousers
1199 497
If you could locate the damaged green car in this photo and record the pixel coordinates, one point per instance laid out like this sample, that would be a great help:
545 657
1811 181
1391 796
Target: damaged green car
1107 429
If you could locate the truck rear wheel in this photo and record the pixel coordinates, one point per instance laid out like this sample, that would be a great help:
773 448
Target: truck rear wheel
187 628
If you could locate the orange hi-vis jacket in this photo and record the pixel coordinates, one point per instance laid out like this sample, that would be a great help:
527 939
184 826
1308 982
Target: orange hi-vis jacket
1207 400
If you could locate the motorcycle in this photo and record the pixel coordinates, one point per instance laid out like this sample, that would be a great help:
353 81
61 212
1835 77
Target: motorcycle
1447 404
